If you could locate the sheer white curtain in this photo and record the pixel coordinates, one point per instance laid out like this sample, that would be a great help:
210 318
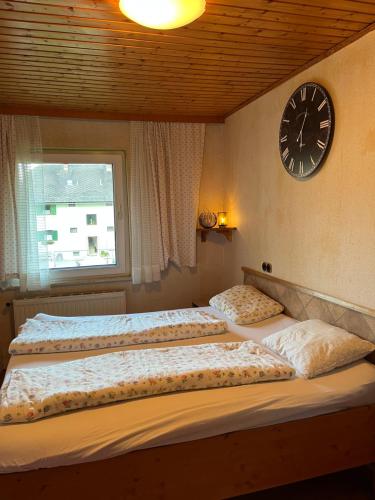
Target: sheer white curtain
23 260
8 220
166 164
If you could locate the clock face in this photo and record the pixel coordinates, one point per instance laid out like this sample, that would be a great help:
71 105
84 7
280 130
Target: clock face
306 130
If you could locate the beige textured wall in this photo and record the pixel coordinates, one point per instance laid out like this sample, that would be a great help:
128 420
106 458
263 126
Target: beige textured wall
319 233
178 287
214 254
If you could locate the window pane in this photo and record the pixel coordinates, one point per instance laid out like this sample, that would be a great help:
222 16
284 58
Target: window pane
93 245
78 209
91 219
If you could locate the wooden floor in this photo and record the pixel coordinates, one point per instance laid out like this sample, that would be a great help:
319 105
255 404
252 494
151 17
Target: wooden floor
355 484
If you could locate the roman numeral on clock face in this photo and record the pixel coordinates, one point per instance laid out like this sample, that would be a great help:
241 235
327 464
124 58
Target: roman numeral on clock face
312 98
291 164
293 103
284 139
324 124
322 104
303 94
285 153
301 168
321 144
312 161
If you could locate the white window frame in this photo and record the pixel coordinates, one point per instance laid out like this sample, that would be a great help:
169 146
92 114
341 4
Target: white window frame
121 213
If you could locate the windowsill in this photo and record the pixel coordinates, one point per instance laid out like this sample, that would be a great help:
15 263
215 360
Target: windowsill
90 280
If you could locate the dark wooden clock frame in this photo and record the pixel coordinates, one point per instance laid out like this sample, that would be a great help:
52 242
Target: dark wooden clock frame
331 130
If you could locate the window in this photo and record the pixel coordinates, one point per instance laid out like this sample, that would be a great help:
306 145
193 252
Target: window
91 220
47 236
84 214
93 245
50 209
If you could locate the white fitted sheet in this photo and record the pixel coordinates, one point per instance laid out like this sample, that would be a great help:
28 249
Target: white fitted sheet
108 431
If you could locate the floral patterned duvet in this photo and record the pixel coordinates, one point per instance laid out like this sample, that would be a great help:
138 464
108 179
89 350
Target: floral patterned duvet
34 393
46 334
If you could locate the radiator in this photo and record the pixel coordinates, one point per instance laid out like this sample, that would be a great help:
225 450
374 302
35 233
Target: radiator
89 304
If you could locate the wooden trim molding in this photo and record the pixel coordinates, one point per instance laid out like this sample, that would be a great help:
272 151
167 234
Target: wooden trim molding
101 115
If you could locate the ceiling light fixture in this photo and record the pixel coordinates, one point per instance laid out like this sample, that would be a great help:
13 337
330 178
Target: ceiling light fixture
163 14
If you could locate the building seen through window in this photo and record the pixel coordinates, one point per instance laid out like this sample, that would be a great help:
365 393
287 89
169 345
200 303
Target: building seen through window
78 215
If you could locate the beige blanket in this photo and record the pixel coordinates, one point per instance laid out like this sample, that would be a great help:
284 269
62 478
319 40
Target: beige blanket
33 393
46 334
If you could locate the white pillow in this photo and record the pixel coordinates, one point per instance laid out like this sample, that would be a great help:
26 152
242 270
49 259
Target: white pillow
244 304
314 347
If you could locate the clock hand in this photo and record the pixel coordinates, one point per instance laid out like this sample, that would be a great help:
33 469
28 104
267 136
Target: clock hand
303 124
301 143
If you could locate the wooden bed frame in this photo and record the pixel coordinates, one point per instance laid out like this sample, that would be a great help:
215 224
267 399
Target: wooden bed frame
222 466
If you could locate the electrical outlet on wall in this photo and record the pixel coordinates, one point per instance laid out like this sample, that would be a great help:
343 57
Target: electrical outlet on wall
267 267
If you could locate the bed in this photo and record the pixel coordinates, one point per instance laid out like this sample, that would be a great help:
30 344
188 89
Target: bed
213 443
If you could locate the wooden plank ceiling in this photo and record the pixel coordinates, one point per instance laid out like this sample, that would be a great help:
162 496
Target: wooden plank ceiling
84 58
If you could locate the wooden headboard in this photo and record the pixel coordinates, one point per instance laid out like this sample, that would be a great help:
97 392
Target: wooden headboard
302 303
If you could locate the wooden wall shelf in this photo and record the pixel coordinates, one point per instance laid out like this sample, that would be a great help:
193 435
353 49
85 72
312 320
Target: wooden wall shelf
226 231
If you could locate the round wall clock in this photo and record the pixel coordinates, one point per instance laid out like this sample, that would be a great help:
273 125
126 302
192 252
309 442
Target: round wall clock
306 130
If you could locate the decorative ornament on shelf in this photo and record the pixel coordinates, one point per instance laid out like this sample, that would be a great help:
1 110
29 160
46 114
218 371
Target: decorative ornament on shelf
207 219
163 14
222 219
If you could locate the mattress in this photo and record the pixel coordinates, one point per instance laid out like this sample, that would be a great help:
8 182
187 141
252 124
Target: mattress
112 430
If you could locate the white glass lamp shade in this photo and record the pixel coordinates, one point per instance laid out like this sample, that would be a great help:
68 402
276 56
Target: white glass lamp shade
163 14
